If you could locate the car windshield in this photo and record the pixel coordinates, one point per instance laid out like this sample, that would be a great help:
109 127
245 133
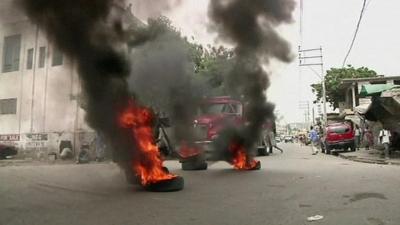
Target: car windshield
339 130
216 108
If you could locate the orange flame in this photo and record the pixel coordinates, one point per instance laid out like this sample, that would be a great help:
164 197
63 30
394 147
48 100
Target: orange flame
148 164
241 161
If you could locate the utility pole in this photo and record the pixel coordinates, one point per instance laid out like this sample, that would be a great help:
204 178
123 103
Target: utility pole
305 105
311 58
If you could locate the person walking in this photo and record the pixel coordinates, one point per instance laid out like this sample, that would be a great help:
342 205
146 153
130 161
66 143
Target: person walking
314 140
384 137
357 137
368 138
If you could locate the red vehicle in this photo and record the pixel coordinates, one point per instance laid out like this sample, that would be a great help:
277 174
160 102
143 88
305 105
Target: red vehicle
338 136
215 114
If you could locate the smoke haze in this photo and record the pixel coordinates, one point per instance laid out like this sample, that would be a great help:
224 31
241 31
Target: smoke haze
249 25
162 76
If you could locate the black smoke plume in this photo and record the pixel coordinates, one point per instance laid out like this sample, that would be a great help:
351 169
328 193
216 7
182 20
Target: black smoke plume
91 34
162 75
250 26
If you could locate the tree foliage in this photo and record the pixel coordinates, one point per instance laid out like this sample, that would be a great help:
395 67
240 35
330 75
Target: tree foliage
210 64
333 80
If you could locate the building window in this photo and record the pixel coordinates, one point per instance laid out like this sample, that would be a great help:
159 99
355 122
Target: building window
57 58
8 106
11 52
396 82
29 61
42 56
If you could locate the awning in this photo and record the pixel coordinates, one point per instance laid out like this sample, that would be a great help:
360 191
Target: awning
362 109
374 89
354 118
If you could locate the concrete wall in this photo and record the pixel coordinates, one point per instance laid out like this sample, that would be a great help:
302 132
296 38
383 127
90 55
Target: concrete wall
47 98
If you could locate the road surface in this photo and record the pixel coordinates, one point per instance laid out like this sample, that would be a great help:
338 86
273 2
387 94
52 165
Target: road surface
289 188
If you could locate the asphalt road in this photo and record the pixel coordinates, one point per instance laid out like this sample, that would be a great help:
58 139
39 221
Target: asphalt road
289 188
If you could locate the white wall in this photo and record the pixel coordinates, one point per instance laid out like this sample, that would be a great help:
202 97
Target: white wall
46 97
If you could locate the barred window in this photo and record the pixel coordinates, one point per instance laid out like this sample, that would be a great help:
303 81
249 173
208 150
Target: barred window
8 106
57 57
42 56
11 52
29 60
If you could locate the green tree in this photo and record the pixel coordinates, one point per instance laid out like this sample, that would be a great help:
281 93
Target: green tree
333 80
212 64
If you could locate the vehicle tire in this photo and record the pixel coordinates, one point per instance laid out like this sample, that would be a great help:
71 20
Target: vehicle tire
194 165
175 184
328 149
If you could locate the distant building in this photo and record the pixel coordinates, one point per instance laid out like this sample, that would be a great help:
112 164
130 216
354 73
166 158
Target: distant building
374 103
352 88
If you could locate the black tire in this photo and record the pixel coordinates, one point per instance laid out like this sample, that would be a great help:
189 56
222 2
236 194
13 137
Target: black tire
175 184
133 179
258 166
328 149
194 165
353 147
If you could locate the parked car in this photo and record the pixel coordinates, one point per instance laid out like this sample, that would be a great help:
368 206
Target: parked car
7 150
289 138
338 136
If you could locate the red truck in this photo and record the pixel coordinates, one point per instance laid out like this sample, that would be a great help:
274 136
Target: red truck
218 112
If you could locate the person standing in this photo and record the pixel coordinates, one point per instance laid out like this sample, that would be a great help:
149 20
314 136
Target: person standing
357 137
314 140
368 138
384 137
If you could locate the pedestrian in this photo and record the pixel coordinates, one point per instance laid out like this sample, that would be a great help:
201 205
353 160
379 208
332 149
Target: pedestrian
368 138
301 138
314 140
357 137
384 137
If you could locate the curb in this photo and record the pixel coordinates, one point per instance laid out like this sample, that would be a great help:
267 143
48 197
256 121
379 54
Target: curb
371 161
5 163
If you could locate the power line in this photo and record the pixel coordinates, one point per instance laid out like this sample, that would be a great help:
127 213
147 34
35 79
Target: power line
356 32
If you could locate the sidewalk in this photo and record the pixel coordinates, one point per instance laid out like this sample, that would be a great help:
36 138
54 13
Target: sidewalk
371 156
33 162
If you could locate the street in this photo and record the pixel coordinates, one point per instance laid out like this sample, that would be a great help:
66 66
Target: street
289 188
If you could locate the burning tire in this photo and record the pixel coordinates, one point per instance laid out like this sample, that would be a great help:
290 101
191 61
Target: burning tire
174 184
133 179
194 165
257 167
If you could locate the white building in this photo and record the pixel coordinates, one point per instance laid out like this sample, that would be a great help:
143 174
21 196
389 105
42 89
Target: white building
39 89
